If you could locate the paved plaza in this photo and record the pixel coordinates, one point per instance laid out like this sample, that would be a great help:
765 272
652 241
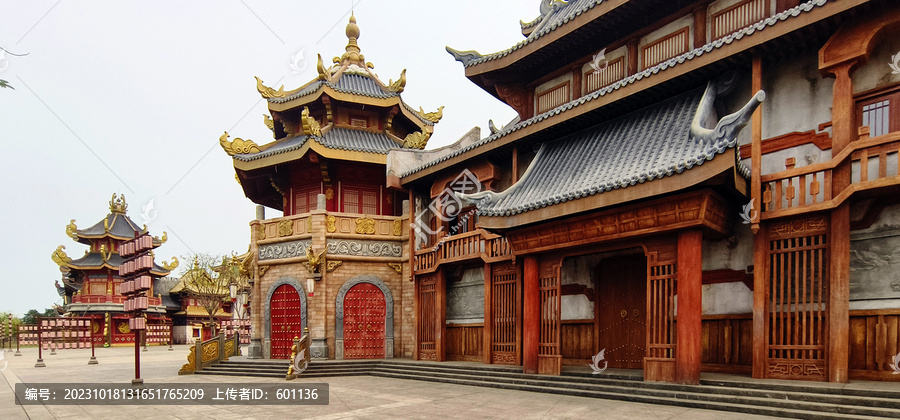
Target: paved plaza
350 397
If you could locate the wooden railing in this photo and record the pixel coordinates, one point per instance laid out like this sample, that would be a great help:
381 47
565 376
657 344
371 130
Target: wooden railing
79 298
808 188
465 246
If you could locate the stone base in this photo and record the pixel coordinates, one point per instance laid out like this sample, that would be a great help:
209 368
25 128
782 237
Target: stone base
40 363
93 361
318 349
255 349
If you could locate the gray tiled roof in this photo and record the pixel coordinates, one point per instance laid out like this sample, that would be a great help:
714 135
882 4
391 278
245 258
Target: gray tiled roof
309 89
357 140
94 259
648 144
120 226
649 72
335 138
348 83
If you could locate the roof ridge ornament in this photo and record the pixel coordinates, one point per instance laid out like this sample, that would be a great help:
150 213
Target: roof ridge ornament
399 85
352 52
324 73
432 116
117 205
238 145
268 92
72 230
486 197
311 127
59 256
727 126
464 57
416 140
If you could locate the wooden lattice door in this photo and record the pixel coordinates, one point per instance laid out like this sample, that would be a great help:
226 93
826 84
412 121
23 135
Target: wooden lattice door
621 317
286 320
426 317
364 316
549 347
505 303
797 284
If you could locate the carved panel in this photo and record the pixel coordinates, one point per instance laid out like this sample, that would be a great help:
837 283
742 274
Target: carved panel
875 266
365 226
808 226
329 224
284 250
209 351
465 298
285 228
652 217
365 248
794 369
398 227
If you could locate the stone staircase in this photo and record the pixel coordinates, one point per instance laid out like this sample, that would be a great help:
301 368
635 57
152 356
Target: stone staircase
726 393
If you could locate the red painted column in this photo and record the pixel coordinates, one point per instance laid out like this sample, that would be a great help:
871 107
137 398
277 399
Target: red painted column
531 318
687 327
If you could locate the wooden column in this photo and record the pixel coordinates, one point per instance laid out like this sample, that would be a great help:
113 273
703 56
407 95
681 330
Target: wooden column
488 334
632 56
687 327
760 295
531 322
700 25
440 303
843 132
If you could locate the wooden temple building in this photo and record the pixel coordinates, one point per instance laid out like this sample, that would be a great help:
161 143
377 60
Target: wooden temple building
336 263
90 284
625 209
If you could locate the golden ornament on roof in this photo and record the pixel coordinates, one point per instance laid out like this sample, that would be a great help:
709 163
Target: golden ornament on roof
416 140
267 120
237 146
170 266
311 127
59 256
72 230
432 116
164 238
117 205
268 92
399 84
103 254
323 72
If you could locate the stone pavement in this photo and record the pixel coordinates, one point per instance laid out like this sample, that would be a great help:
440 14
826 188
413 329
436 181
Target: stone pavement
350 397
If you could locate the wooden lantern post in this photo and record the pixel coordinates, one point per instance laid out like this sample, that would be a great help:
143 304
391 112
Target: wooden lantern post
136 270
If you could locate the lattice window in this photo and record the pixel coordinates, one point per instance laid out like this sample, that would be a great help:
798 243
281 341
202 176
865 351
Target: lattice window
613 72
665 48
797 283
739 16
360 200
553 98
305 200
661 291
877 116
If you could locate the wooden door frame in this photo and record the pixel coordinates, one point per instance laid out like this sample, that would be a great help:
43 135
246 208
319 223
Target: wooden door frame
287 280
388 314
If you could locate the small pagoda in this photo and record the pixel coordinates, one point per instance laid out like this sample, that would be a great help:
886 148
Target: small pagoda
90 284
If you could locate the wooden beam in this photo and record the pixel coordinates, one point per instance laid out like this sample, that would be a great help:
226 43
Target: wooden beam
688 328
531 322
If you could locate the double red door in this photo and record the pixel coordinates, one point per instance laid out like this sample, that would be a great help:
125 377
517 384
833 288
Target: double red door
622 297
364 316
286 321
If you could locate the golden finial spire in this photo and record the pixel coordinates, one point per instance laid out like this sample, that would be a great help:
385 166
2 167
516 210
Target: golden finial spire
118 205
352 54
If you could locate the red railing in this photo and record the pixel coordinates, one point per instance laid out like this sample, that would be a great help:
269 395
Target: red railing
477 244
808 188
108 299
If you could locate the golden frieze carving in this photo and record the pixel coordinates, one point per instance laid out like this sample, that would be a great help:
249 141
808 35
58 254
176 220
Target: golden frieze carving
263 269
432 116
118 205
309 225
268 92
311 127
123 327
397 267
275 186
329 224
332 265
103 254
365 226
71 230
398 228
416 140
163 239
285 228
261 233
229 348
399 85
59 256
237 146
172 266
189 366
209 352
290 130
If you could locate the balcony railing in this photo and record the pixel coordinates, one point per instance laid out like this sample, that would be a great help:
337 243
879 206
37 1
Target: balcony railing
109 299
335 223
477 244
874 164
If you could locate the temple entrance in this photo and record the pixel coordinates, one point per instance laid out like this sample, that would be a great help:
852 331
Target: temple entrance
364 322
286 321
620 311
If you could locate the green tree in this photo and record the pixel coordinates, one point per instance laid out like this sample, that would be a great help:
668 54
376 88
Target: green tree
5 84
31 316
203 283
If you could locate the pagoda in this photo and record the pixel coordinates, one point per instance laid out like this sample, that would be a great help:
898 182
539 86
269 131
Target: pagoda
342 232
90 284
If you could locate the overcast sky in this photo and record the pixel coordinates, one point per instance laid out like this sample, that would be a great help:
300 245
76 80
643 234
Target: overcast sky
131 97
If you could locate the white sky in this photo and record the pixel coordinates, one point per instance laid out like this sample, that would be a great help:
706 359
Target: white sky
131 97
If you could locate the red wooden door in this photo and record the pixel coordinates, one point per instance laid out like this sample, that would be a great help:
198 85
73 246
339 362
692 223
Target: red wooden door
622 297
364 322
286 322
